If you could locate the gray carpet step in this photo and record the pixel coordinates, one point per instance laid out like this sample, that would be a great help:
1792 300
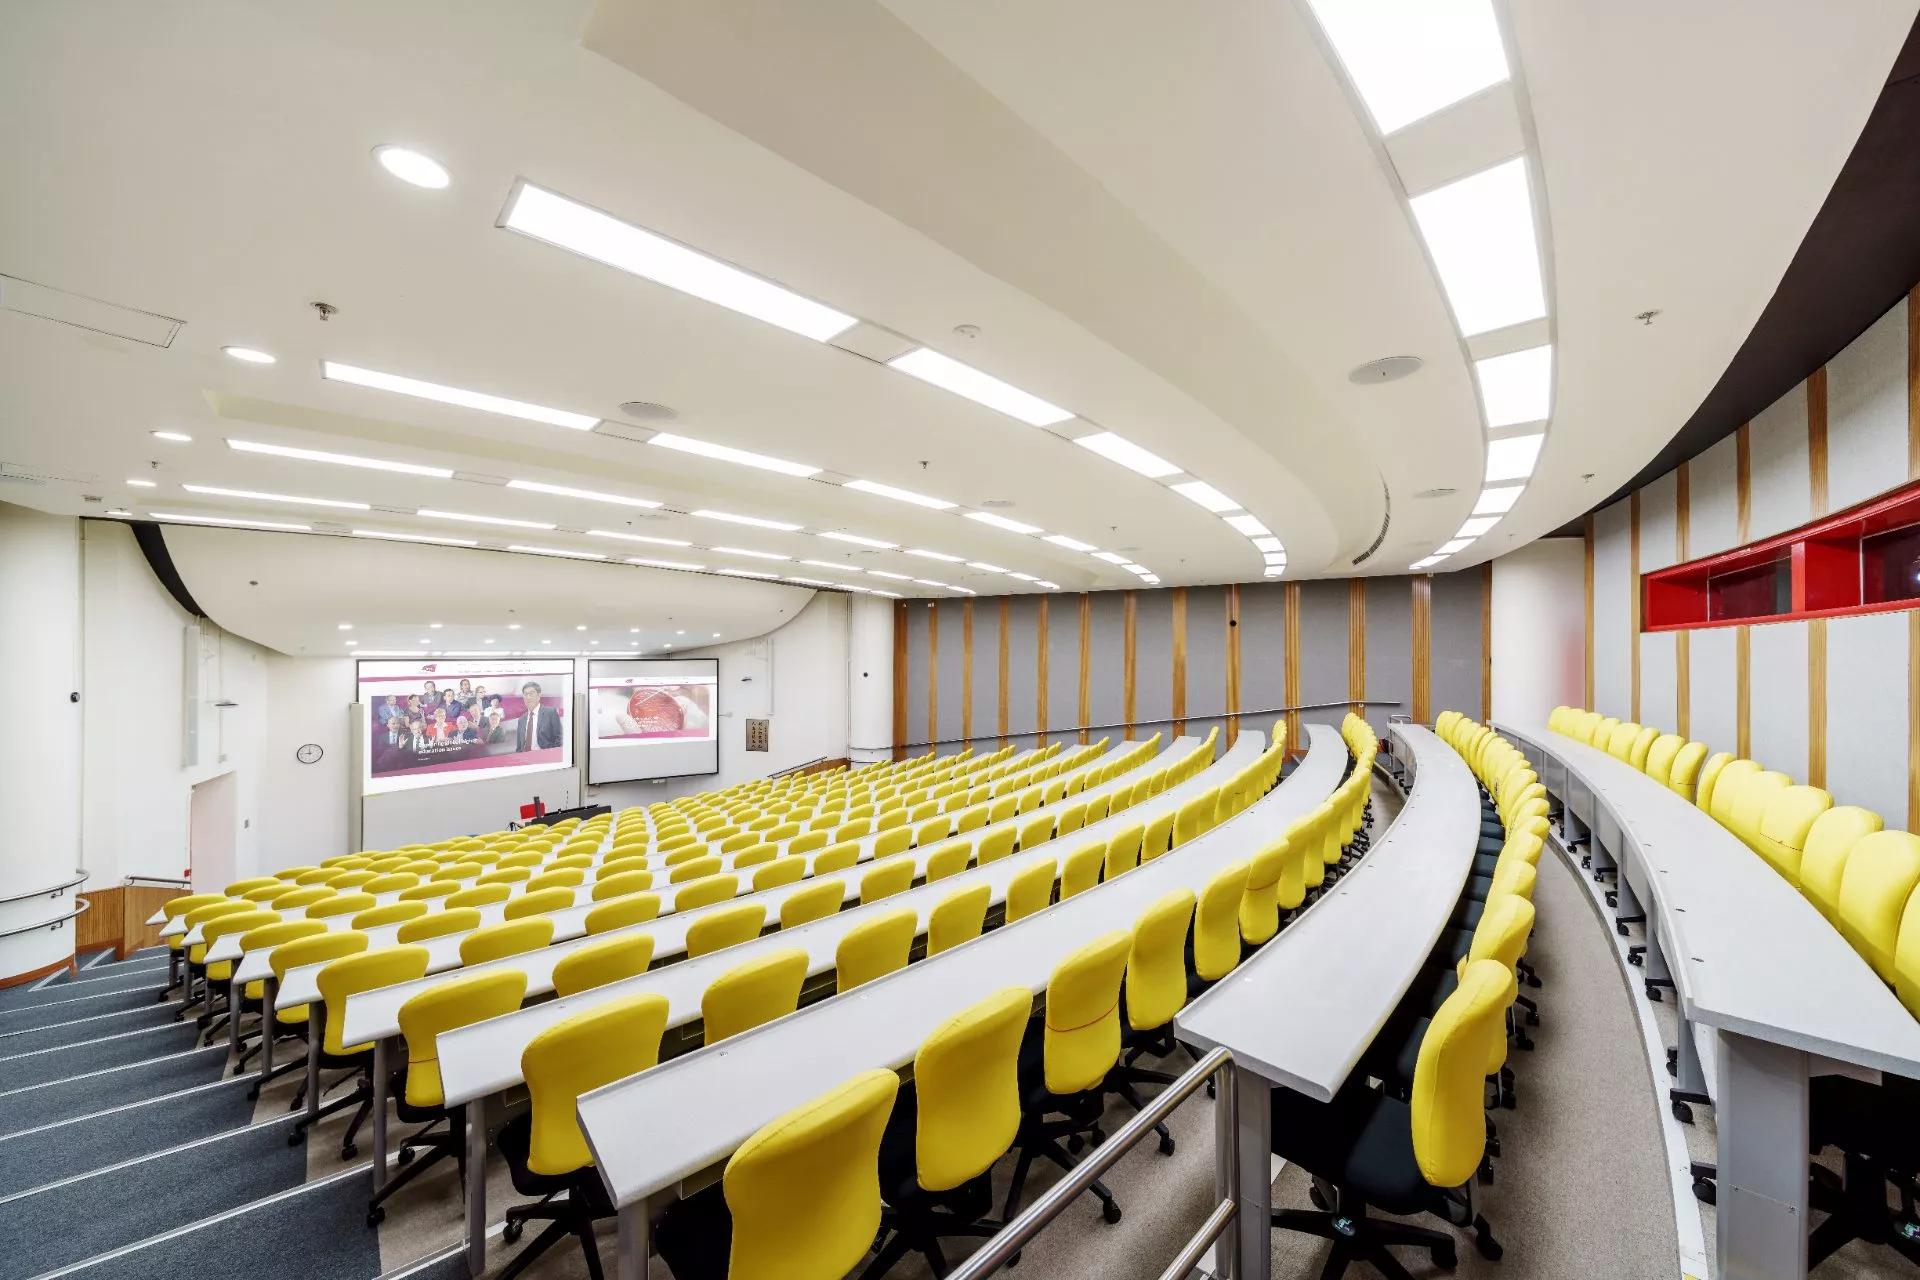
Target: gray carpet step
62 1004
448 1264
35 1105
96 1053
88 1028
82 1144
147 975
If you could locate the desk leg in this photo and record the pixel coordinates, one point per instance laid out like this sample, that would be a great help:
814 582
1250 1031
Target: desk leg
1762 1121
233 1013
476 1186
316 1033
631 1262
1689 1077
268 1025
1253 1209
379 1117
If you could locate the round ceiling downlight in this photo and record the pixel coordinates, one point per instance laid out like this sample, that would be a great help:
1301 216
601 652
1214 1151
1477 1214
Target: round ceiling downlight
412 167
1385 369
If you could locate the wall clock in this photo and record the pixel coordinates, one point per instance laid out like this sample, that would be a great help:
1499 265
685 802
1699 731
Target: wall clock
309 754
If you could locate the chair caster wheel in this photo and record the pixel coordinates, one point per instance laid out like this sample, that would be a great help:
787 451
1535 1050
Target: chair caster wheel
297 1137
1210 1087
1533 1017
1683 1113
349 1151
1445 1257
1319 1201
406 1156
1705 1191
253 1094
1013 1259
1533 980
1166 1145
1074 1143
1096 1136
1653 994
512 1233
1620 929
1489 1248
376 1216
1110 1212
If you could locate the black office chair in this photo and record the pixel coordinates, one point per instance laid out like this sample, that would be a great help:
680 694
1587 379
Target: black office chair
1877 1130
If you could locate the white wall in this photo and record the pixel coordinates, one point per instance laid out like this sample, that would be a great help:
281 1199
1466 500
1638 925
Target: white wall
305 806
870 678
1539 620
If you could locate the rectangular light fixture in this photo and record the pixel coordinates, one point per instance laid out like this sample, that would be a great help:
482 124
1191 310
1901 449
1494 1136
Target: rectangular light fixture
414 537
1111 557
1139 569
1249 525
933 555
835 566
556 551
900 495
544 215
984 567
949 374
1128 454
811 582
747 573
339 459
1268 544
228 523
726 453
875 591
1001 522
1273 571
1458 544
1517 387
1479 230
256 496
745 551
1497 502
1513 458
334 371
1411 58
1274 557
1024 577
473 519
585 495
1428 563
1207 496
758 522
857 540
930 582
665 564
1051 586
888 573
1476 526
1071 544
1151 579
638 537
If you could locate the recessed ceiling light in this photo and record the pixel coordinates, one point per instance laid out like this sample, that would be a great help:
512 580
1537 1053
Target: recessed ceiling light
638 537
344 626
1268 544
857 540
1151 579
473 519
251 355
581 627
716 635
175 518
1476 526
352 643
725 453
984 568
1411 59
423 640
1273 557
1136 569
875 591
488 640
593 642
1458 544
1249 525
173 437
1480 233
542 214
900 495
255 496
556 551
949 374
586 495
669 644
934 555
1273 571
1111 557
513 626
897 577
1051 586
118 511
1427 563
1128 454
836 567
811 582
339 459
415 537
682 631
757 522
744 573
141 484
435 626
546 642
334 371
1497 502
746 551
933 582
1517 387
666 564
1071 544
1513 458
1001 522
1024 577
1206 495
409 165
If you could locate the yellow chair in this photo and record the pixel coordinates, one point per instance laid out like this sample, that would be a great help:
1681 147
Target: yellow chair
753 993
511 875
618 913
1880 876
481 895
705 892
1156 990
337 980
392 913
431 891
1684 773
886 879
836 858
1824 859
957 918
1031 890
602 962
1710 777
993 846
439 924
695 869
891 841
754 856
1260 905
1785 823
1123 851
622 882
1158 838
569 878
340 904
1036 831
877 947
725 928
948 860
508 938
807 842
541 902
392 882
1216 924
816 901
1080 871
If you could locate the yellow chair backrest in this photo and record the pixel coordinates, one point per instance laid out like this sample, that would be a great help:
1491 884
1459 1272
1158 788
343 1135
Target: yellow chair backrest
1158 838
1784 825
836 858
1879 879
1080 870
807 842
959 917
875 948
1750 804
1216 923
566 878
778 872
948 860
1260 904
993 846
695 869
430 891
1449 1120
1710 778
749 994
621 882
481 895
754 855
1157 961
1123 851
618 913
598 963
340 904
967 1081
1036 831
457 1002
1031 890
392 913
1082 1035
350 975
725 927
608 1042
1824 858
508 938
816 901
706 891
537 902
886 879
439 924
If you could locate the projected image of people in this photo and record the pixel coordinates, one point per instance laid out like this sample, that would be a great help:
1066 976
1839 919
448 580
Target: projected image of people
425 720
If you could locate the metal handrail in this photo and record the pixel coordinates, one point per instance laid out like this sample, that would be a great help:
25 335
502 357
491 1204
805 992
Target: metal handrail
55 923
51 891
1053 731
168 881
1013 1237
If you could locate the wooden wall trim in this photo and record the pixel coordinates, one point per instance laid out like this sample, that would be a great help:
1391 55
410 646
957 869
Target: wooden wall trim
966 668
933 671
899 679
1129 655
1233 663
1682 643
1743 483
1002 727
34 975
100 924
1086 662
1817 702
1742 702
1422 640
1040 675
1291 629
1356 641
1913 385
1817 441
1633 606
1486 641
1179 647
1587 538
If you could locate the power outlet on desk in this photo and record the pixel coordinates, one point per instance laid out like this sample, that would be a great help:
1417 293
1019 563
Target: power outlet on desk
757 735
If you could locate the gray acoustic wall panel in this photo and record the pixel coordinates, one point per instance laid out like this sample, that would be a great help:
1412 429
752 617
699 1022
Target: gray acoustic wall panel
1780 496
1867 413
1713 517
1867 696
1713 710
1389 648
919 672
1263 648
1206 659
950 672
1153 663
1455 664
1777 703
986 674
1023 634
1658 680
1657 522
1323 647
1612 603
1063 666
1106 663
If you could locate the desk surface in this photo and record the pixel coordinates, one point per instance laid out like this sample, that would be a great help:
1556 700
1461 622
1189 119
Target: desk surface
376 1013
652 1130
485 1058
1302 1011
1747 952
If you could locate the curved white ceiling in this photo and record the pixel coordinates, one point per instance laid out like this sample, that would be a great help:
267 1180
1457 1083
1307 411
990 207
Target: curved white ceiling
1170 221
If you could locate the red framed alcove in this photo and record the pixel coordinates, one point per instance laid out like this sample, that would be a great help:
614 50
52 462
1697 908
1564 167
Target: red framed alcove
1865 559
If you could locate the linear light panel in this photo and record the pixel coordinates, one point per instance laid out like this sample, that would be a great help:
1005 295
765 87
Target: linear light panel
1024 577
1497 502
746 551
1249 525
1151 579
1513 458
1207 496
984 567
339 459
1119 449
1051 586
888 573
857 540
1268 544
556 551
875 591
585 495
415 537
949 374
638 537
1458 544
758 522
1517 387
726 453
665 564
1480 233
334 371
182 518
1071 544
811 582
257 496
1273 557
1476 526
834 565
545 215
934 555
744 573
473 519
900 495
1427 563
931 582
1001 522
1111 557
1411 58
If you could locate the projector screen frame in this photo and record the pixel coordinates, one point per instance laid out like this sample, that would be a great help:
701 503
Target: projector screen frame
595 751
450 671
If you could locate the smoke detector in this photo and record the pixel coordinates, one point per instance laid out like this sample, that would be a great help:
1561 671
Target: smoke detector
1385 369
647 411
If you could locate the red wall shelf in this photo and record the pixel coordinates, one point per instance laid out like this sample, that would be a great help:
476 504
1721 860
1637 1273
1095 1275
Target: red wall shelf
1865 559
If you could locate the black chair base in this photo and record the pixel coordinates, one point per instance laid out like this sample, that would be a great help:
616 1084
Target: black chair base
1856 1206
1359 1238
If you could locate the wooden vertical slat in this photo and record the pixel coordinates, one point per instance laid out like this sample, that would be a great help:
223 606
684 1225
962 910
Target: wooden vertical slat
1817 440
1913 386
1742 636
1633 606
1179 661
1005 606
1129 612
1682 642
1356 642
1422 587
1913 619
1742 703
1743 482
1040 677
933 671
1292 674
966 668
1486 641
1587 536
1233 663
1086 663
899 679
1817 702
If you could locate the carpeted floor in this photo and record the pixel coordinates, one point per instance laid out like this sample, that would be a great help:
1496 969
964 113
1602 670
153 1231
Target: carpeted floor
58 1151
35 1105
